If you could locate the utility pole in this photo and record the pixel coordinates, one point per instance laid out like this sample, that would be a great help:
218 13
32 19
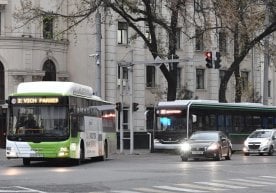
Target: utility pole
98 52
266 57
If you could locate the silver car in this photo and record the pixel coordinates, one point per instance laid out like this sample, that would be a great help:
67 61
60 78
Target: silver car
260 141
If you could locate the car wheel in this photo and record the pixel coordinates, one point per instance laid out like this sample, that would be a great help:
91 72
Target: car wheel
183 158
229 154
219 155
271 151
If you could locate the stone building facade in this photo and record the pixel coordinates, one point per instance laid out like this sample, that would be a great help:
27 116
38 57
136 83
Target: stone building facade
33 53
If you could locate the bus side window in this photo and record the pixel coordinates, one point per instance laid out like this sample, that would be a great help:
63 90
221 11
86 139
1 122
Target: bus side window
74 126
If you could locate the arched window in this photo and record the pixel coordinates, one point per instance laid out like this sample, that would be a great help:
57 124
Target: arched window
2 83
50 71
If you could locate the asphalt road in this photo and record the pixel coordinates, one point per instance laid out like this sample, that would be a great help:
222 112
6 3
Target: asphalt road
140 173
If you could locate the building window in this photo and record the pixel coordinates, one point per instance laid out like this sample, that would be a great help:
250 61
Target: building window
2 83
50 71
178 78
0 23
122 33
125 73
150 78
178 38
222 42
269 89
244 80
198 5
199 78
48 25
198 39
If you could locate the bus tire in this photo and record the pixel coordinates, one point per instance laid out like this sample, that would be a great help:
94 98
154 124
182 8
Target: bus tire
184 159
80 160
105 153
26 161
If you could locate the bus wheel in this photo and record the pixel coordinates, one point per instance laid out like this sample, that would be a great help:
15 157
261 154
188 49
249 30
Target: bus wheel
183 158
26 161
81 158
105 154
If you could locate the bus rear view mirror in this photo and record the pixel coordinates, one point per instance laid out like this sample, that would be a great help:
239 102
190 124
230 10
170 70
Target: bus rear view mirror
194 118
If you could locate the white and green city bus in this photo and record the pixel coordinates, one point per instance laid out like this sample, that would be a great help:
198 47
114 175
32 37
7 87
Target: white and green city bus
237 120
59 120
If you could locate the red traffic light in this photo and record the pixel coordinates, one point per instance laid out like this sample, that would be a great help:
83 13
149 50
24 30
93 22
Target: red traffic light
209 60
208 55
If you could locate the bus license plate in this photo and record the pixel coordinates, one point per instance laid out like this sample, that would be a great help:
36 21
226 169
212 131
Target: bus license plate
35 155
197 152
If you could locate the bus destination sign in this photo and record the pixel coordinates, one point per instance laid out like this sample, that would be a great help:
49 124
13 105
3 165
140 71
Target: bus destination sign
35 100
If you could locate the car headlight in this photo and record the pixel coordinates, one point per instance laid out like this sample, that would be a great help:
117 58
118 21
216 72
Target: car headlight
185 147
213 146
245 143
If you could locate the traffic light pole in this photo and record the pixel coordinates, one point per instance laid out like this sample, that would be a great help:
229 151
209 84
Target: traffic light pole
121 111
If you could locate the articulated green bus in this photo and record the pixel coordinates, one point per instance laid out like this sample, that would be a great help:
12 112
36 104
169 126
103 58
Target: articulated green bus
59 120
237 120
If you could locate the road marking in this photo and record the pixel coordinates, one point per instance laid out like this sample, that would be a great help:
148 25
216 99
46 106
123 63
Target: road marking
220 185
124 191
179 189
262 179
253 181
273 177
20 189
200 187
238 183
151 190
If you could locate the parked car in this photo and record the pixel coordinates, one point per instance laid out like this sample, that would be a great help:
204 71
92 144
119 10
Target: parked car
206 144
260 141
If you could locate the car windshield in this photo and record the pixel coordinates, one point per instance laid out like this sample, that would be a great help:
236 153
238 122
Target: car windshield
204 136
260 134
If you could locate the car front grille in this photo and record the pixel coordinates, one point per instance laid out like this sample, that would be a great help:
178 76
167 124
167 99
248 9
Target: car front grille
254 146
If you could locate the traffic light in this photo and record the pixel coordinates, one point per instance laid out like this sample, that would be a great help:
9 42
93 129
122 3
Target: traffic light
217 61
119 106
208 58
135 106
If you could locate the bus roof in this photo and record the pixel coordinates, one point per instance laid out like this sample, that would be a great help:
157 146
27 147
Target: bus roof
183 104
55 87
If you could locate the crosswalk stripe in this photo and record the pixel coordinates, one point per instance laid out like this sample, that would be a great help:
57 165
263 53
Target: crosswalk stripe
151 190
200 187
124 191
262 179
238 183
253 181
221 185
273 177
179 189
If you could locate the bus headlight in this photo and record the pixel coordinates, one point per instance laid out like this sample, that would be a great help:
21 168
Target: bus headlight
11 152
185 147
63 151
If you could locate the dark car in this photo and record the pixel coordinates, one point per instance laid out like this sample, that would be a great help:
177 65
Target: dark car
206 144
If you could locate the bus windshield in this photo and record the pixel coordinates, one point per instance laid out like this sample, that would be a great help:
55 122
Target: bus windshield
39 121
171 124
